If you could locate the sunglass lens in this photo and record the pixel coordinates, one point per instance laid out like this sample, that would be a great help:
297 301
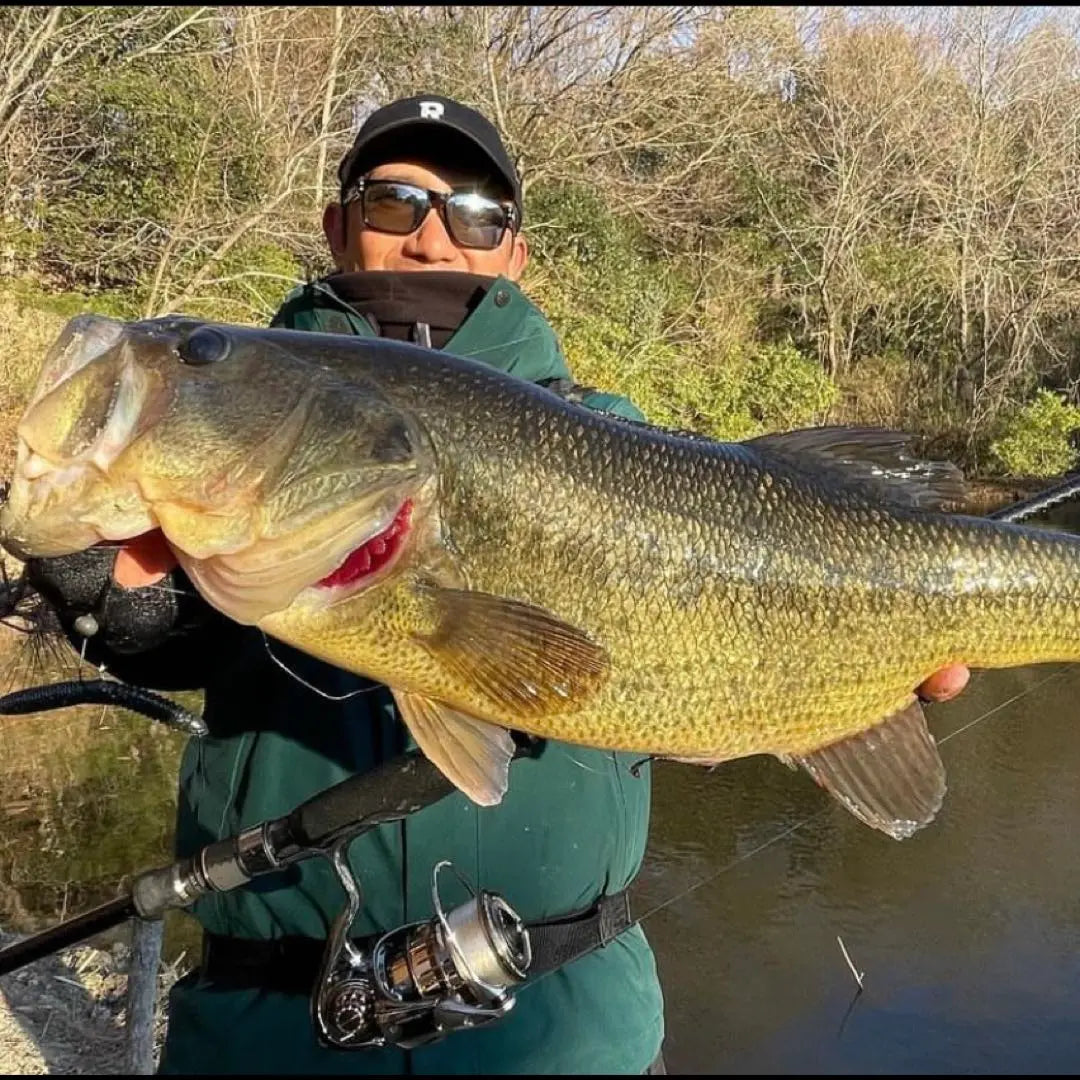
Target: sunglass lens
475 221
394 208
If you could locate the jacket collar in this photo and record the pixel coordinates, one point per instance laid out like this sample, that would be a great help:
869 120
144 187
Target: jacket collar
505 331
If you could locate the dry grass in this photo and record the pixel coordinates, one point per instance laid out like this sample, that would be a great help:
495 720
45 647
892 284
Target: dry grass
29 333
65 1013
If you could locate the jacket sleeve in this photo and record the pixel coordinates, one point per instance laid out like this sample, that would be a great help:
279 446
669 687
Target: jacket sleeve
599 401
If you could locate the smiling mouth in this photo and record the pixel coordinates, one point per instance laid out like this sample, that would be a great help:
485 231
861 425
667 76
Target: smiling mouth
374 554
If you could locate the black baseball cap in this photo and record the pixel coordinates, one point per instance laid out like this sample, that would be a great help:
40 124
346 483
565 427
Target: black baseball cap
428 124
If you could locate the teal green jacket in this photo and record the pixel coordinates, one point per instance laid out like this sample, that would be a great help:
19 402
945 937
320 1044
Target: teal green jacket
573 824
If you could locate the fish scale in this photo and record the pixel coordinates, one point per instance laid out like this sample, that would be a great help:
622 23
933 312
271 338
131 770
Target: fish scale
906 593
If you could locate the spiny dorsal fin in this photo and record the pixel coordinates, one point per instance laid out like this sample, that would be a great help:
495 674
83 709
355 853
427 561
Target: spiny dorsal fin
890 777
876 459
473 754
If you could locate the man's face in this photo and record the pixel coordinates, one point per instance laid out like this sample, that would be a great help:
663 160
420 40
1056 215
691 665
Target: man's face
429 247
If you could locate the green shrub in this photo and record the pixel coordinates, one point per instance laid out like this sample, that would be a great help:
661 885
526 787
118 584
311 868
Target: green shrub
783 388
1036 440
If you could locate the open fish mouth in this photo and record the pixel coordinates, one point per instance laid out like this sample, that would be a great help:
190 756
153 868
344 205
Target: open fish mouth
330 560
268 474
373 559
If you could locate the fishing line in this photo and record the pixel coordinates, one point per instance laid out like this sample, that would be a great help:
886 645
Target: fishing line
159 587
314 689
828 807
1009 701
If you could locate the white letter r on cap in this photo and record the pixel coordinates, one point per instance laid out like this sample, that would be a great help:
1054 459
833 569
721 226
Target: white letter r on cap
431 110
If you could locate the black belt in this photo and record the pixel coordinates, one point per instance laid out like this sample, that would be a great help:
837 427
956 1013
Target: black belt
290 965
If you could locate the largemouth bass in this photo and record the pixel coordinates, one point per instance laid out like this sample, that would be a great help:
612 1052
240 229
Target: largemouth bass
504 559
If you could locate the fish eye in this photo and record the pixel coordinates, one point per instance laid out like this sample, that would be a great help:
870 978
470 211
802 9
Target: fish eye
203 346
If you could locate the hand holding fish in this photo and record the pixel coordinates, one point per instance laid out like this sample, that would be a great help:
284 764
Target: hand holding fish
945 684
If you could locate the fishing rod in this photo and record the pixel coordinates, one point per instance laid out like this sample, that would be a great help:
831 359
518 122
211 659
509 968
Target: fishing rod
389 793
408 986
1068 488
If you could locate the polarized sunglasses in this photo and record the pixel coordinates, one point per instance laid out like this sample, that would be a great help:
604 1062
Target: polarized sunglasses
472 220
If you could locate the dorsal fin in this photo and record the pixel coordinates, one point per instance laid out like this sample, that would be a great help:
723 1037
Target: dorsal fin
878 460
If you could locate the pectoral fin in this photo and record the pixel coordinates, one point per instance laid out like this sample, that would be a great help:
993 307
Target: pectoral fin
523 659
473 754
890 777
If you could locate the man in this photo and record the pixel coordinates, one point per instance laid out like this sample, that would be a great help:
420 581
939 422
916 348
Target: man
420 264
426 187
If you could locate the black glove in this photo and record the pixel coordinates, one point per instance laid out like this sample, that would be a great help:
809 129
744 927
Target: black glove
90 604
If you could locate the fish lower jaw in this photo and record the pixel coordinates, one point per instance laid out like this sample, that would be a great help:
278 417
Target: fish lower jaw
48 515
40 486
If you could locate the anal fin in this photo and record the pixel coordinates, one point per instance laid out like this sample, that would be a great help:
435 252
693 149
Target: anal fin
891 777
473 754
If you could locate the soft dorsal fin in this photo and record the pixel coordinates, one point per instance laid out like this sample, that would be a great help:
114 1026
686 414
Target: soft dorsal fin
876 459
890 777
